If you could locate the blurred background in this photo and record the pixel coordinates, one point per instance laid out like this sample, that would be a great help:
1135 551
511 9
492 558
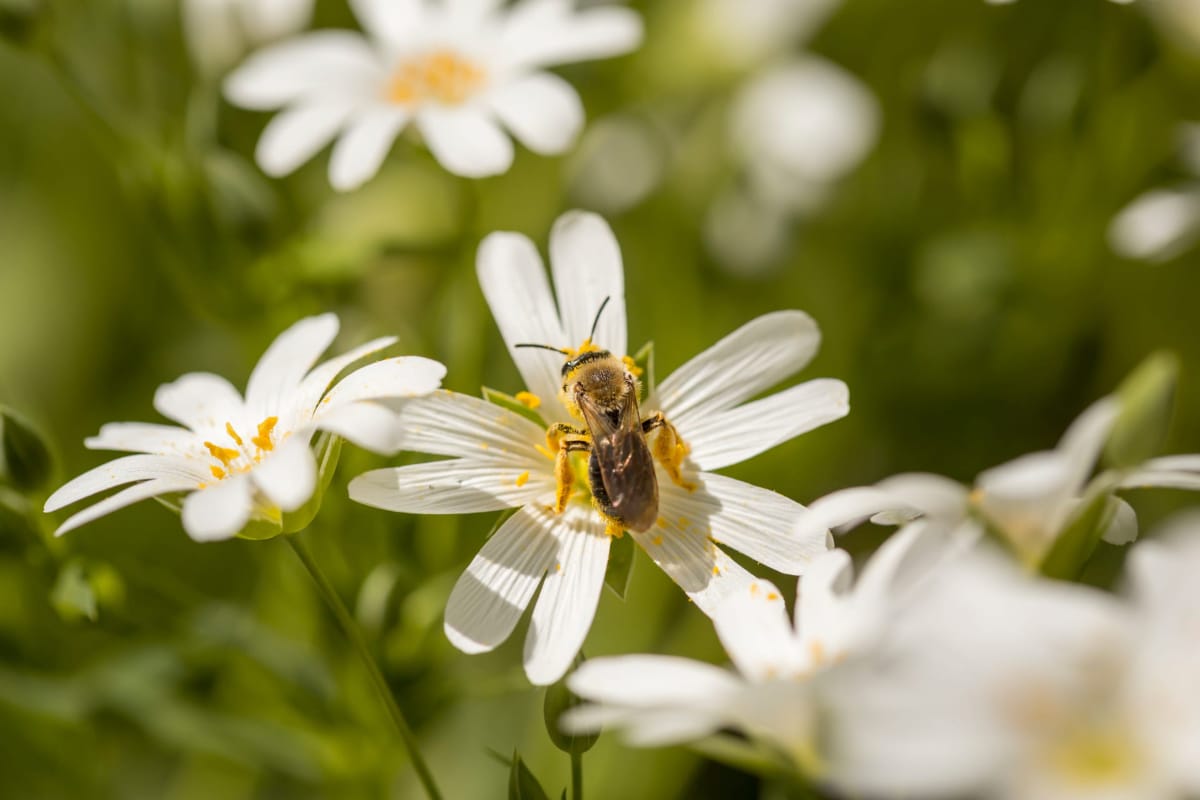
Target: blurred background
990 210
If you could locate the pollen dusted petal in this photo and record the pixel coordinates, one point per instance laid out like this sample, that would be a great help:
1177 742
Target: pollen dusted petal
755 630
688 557
453 486
586 262
126 497
127 469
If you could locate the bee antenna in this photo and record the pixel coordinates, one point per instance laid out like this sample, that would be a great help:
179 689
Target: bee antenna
543 347
596 321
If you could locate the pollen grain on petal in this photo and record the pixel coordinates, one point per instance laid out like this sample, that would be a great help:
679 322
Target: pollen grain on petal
263 440
529 400
233 434
523 478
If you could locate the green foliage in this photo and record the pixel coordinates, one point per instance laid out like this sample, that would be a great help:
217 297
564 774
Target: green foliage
559 700
522 785
620 565
25 460
1147 397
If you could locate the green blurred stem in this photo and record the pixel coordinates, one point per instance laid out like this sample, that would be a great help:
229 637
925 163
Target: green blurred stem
352 632
576 776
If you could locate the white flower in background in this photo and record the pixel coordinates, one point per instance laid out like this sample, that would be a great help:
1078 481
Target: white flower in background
774 694
746 32
219 32
1162 223
1029 500
239 460
458 70
994 684
500 459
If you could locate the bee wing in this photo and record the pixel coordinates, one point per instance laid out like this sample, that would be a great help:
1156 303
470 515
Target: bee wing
626 465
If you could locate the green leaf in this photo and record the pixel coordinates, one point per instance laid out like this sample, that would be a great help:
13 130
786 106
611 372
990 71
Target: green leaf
1078 540
620 565
644 359
560 699
73 596
1146 397
521 783
25 461
513 404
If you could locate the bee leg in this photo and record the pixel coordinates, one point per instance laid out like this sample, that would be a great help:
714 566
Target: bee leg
669 448
562 440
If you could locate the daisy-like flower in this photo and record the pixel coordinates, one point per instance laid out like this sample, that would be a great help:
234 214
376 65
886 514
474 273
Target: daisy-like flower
773 697
242 460
1164 222
503 459
998 685
459 70
219 32
1030 501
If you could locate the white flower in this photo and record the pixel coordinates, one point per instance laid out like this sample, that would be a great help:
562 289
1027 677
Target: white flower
774 696
1030 500
241 460
749 31
994 684
1162 223
500 458
456 69
219 32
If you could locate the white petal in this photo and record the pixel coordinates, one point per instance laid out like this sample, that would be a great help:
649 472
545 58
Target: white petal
220 511
933 495
1188 462
542 110
500 581
653 727
586 261
145 437
328 64
514 282
1122 527
127 469
707 575
1084 439
201 401
729 437
649 681
125 497
390 21
755 357
368 425
295 135
271 19
313 387
361 150
565 609
747 518
1029 498
465 141
819 600
401 377
545 33
755 630
455 486
846 506
450 424
278 373
288 476
1156 226
1162 479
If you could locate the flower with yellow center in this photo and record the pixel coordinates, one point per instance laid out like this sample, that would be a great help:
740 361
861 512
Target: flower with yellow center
241 460
460 71
499 459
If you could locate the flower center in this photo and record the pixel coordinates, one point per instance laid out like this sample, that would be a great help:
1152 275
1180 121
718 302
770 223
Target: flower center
441 76
242 457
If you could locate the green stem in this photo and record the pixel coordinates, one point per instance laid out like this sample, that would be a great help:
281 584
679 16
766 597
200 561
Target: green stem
576 776
352 632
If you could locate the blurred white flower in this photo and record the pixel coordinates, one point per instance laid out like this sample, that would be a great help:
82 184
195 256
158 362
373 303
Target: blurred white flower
501 459
1162 223
1030 500
457 69
239 460
800 126
746 32
219 32
774 696
996 684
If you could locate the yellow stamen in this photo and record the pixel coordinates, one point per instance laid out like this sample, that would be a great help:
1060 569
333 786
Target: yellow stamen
529 399
632 366
232 433
217 472
545 451
523 478
658 540
442 76
223 454
263 440
772 596
716 570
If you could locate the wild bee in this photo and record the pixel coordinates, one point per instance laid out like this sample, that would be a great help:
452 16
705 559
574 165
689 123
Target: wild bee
599 390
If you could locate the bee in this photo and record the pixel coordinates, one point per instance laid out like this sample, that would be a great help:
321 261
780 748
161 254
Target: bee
599 390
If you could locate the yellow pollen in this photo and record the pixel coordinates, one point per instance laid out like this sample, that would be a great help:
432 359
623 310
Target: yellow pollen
529 399
558 567
772 596
754 589
976 496
586 347
684 522
817 650
484 446
217 472
544 451
632 366
232 433
223 454
658 540
716 570
523 478
263 440
441 76
661 522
